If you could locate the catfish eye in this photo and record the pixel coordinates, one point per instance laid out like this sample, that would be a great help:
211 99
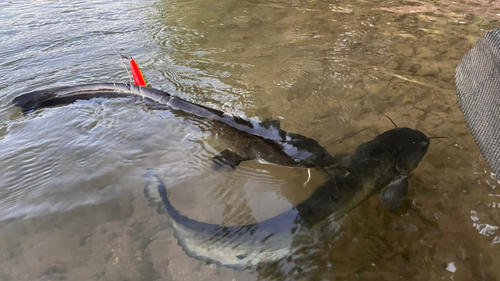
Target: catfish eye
422 143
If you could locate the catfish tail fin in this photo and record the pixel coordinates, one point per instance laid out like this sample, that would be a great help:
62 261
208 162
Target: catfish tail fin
237 247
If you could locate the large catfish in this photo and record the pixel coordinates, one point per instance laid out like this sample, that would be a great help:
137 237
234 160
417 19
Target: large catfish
245 139
380 165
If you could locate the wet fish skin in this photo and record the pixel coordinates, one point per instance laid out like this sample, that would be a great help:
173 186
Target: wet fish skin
246 139
382 164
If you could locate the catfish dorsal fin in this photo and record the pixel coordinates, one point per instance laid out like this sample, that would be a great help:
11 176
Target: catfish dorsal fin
395 193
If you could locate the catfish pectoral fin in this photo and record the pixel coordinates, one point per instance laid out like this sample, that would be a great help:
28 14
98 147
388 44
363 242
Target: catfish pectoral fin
394 194
227 158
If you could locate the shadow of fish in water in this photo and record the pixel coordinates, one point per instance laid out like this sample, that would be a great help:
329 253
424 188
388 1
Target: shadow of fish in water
380 165
245 139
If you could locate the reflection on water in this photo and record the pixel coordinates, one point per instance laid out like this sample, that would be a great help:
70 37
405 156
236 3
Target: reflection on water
71 199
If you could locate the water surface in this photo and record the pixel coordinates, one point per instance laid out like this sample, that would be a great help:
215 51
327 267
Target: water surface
71 191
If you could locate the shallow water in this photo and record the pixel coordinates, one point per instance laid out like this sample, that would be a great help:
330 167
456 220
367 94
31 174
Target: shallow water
71 200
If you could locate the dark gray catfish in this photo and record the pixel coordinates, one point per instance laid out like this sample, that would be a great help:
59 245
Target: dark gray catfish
245 139
380 165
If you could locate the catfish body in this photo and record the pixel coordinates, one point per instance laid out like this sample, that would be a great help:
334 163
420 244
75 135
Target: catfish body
381 165
246 139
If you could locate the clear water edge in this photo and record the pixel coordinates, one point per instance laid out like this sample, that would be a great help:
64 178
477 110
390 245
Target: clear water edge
72 202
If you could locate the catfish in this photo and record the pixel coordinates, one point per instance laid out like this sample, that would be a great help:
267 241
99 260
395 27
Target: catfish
381 165
246 139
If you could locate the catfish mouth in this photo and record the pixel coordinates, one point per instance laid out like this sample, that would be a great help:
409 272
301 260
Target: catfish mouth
405 169
405 166
402 172
410 156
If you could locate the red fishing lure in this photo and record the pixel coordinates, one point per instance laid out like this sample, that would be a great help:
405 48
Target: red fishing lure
139 79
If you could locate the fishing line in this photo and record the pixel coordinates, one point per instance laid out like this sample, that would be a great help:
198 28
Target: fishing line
121 57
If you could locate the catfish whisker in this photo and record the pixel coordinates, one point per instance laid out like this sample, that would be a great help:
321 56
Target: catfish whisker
391 121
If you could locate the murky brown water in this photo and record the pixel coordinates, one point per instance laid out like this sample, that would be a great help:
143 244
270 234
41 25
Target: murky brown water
71 199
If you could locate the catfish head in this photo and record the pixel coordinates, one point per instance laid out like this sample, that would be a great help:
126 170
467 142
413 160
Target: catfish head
401 149
406 147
